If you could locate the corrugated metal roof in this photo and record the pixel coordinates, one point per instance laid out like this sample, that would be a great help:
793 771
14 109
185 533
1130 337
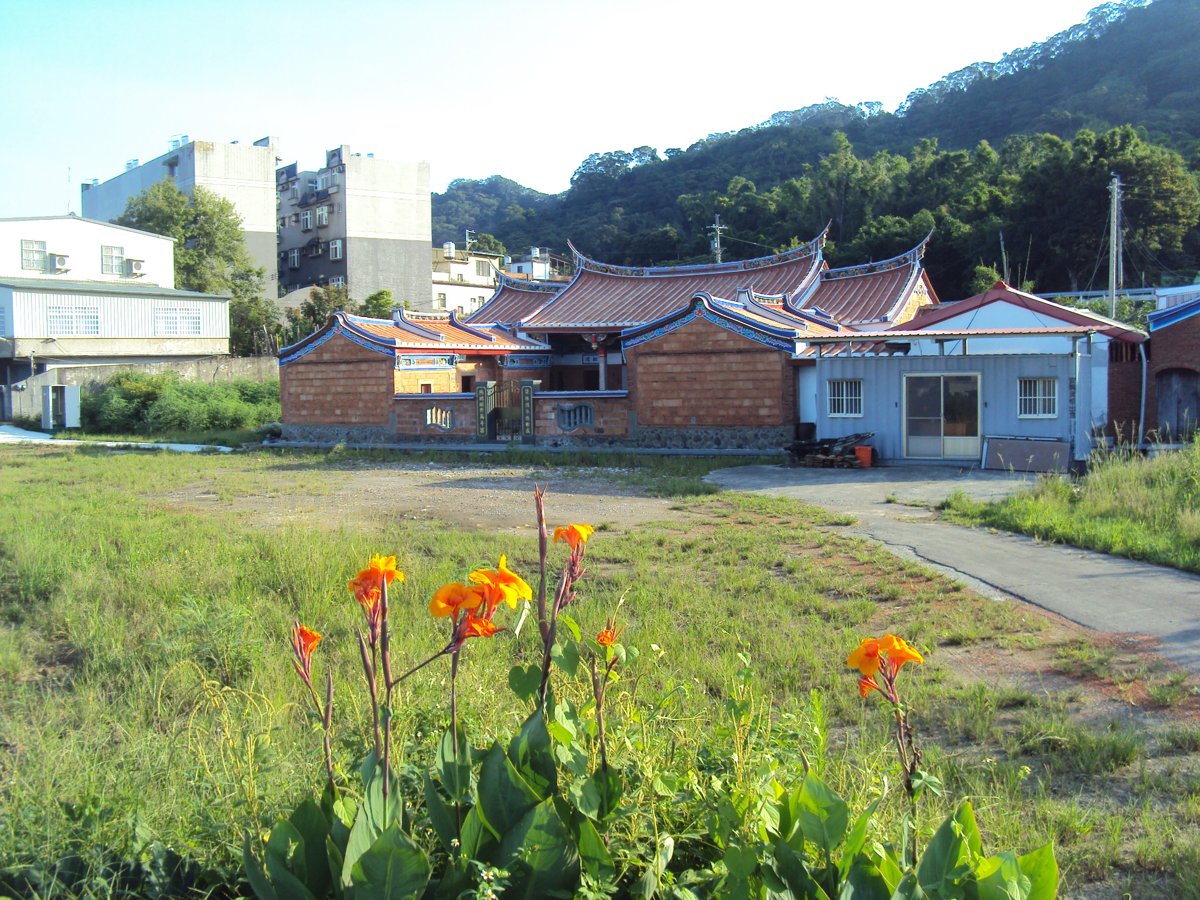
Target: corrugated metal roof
1001 292
105 287
611 297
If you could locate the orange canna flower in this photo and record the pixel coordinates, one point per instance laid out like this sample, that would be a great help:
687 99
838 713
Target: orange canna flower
378 569
608 637
450 599
574 535
866 657
478 626
898 651
501 584
866 685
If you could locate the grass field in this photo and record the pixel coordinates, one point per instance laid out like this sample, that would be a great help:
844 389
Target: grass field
1129 505
147 692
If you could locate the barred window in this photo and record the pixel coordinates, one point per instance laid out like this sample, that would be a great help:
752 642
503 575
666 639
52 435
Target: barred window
1037 398
33 255
439 418
73 321
845 397
571 418
176 321
112 260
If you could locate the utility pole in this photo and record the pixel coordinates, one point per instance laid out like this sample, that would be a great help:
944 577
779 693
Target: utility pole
715 230
1004 261
1114 244
468 238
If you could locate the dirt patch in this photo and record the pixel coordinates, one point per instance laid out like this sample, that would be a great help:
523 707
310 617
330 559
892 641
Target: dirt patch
496 499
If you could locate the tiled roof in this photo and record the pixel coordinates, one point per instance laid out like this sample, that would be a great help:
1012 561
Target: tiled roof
1054 314
616 297
438 331
868 293
515 300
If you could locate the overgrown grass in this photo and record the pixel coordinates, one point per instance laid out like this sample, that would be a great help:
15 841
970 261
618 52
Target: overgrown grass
146 685
1128 505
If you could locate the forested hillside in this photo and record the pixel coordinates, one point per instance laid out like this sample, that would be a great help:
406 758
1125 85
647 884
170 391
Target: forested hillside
1008 163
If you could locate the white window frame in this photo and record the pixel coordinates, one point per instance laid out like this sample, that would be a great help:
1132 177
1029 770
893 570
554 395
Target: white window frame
72 321
177 320
1037 398
337 281
112 260
483 268
294 258
306 220
844 398
33 256
322 216
335 249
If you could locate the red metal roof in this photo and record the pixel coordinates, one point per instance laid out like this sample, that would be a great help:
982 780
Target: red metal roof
515 300
611 297
1001 292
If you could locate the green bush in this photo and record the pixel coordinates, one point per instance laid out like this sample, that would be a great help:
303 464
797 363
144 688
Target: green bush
136 403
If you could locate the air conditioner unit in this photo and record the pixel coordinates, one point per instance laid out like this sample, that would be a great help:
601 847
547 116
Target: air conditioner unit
135 267
58 261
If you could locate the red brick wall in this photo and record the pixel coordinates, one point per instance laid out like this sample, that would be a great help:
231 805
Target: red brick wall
610 416
1174 347
703 375
339 383
411 415
1125 398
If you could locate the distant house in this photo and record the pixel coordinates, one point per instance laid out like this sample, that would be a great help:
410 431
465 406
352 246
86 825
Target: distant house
1035 383
76 292
1174 376
463 280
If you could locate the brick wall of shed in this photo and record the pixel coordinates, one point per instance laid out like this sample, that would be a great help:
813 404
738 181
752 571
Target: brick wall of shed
1174 347
339 383
702 375
610 416
1125 394
413 419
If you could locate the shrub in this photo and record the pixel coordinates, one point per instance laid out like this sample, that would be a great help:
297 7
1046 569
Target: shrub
137 403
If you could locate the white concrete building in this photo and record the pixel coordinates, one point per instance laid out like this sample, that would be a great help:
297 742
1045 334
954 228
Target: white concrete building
69 248
76 292
243 174
463 280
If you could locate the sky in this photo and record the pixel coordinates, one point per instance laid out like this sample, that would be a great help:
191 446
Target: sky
509 87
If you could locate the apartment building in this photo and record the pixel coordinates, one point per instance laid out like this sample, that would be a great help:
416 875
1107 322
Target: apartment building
358 222
463 280
243 174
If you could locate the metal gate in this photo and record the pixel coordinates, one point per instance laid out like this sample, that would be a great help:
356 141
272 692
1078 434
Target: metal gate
508 411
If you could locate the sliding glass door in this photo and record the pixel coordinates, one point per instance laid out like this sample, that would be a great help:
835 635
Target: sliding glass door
941 416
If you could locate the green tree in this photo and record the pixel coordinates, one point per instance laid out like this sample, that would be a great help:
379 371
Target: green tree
210 257
322 302
489 243
378 305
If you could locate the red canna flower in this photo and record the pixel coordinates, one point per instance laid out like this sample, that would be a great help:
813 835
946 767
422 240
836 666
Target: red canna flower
304 642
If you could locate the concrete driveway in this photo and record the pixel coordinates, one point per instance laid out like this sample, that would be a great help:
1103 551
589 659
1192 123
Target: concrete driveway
1101 592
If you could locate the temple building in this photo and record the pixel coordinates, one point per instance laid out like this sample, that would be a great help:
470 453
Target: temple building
684 356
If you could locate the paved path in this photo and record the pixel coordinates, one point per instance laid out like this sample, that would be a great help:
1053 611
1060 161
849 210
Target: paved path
11 434
1101 592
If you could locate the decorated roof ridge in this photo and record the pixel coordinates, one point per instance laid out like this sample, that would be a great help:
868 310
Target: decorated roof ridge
399 319
785 315
908 258
716 306
901 299
545 287
340 321
469 329
584 263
